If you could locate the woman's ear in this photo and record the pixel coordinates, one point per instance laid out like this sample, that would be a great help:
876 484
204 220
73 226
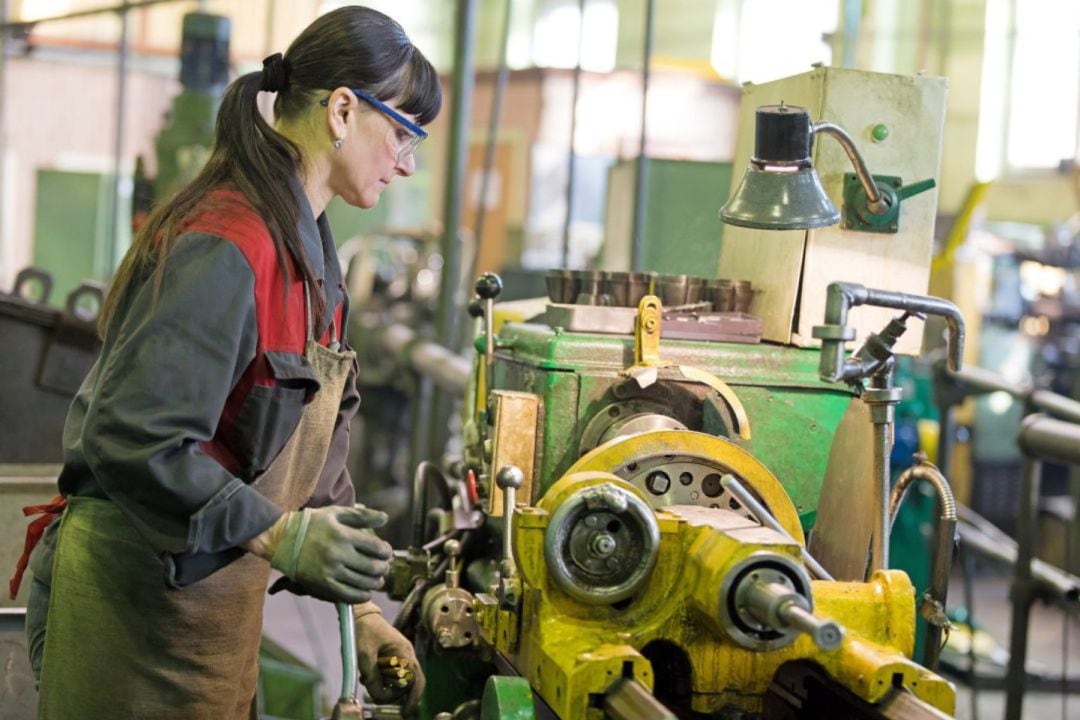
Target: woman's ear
341 104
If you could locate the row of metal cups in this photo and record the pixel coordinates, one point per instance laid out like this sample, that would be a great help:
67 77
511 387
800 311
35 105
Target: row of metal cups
625 289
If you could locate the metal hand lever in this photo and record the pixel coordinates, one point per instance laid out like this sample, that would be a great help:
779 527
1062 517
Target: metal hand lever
452 549
488 286
729 483
509 478
347 706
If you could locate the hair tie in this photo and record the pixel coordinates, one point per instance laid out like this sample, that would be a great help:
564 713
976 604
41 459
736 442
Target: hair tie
274 78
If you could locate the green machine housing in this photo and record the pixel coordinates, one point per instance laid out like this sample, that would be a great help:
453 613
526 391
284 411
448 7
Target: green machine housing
793 414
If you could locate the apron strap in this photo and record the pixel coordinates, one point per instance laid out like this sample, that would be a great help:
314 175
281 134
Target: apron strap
335 342
49 511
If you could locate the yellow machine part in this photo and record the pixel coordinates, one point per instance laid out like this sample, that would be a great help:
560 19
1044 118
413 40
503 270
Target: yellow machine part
570 651
620 451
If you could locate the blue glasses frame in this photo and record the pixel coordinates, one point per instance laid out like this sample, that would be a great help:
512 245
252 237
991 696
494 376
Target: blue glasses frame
418 133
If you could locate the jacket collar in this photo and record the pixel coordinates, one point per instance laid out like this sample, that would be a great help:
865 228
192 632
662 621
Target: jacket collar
318 243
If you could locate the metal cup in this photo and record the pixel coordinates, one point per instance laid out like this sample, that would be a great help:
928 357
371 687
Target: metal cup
589 286
637 287
562 287
744 295
695 289
672 289
615 286
722 294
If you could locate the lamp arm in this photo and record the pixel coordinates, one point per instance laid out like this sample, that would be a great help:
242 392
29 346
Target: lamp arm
874 200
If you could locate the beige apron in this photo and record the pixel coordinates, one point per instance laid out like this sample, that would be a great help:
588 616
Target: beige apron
119 644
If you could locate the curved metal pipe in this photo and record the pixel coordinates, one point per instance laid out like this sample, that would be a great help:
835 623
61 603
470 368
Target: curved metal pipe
425 471
944 540
841 297
875 202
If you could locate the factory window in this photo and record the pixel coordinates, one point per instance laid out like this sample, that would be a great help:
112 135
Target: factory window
555 41
1030 86
749 44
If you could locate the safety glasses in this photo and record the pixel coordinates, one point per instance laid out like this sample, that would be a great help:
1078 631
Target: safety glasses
407 135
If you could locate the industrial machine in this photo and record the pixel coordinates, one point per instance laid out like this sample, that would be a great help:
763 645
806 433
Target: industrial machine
625 534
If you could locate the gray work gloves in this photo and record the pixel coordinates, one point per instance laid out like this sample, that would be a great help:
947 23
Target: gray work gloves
386 660
331 551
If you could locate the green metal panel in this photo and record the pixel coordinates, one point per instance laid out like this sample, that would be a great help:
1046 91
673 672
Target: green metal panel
287 689
792 412
507 698
683 230
71 228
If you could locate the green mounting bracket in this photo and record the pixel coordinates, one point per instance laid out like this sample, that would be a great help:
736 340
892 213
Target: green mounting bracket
507 698
857 215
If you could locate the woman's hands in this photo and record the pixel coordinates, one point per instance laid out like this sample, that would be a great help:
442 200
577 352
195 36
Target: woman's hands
386 660
330 550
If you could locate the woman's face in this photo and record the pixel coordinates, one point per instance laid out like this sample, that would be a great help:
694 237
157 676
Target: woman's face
367 160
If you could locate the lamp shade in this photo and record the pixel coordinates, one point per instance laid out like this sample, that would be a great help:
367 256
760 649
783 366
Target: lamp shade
780 189
771 200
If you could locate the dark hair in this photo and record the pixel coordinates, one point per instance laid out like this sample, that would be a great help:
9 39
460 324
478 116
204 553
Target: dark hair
354 47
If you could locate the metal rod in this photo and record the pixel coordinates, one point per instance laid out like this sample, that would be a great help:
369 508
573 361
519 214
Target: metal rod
981 537
629 700
874 200
123 56
502 76
347 624
445 368
1050 439
1021 590
641 172
572 155
759 511
879 540
425 470
434 411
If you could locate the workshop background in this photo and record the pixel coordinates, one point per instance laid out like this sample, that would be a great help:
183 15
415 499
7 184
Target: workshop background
597 135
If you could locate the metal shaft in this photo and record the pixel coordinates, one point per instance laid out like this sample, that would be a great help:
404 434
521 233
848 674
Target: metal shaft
509 502
1021 593
629 700
879 541
780 607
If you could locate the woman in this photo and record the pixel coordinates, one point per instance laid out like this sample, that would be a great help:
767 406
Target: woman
208 443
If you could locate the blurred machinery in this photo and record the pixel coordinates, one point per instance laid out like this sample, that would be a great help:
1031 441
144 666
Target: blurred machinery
625 534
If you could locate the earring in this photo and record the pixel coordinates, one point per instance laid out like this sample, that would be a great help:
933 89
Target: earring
337 144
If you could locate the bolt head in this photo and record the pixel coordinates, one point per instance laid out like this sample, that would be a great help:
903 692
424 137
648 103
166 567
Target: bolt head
658 482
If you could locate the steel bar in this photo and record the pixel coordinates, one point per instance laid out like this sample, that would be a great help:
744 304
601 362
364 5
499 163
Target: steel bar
879 540
448 370
571 160
641 173
981 537
1047 438
766 518
629 700
433 407
1021 592
502 76
123 57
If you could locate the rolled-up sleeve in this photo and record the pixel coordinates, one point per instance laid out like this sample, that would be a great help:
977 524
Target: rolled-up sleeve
175 359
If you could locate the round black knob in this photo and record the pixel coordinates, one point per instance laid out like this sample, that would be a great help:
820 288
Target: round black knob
476 308
488 286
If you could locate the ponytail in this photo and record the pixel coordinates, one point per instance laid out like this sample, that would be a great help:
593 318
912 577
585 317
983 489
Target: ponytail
354 47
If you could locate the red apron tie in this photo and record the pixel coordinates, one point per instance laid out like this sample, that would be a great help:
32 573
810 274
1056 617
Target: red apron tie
34 531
